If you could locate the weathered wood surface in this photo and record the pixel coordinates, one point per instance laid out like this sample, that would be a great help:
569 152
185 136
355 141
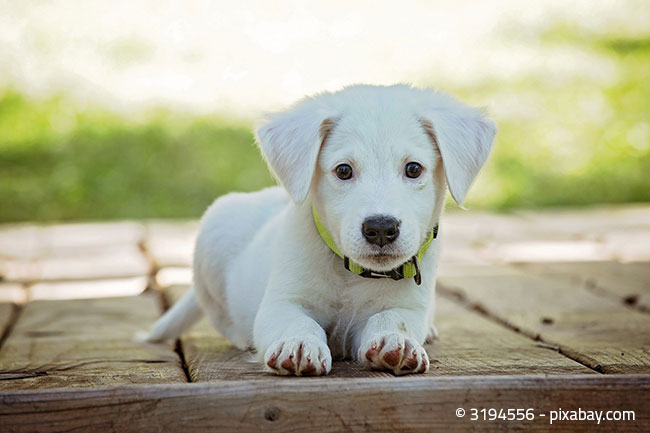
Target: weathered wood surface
469 344
6 315
171 244
29 241
594 330
629 283
13 292
71 251
110 262
414 404
85 343
526 301
592 234
110 287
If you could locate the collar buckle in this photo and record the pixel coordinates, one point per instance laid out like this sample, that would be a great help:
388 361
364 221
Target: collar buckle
416 264
395 274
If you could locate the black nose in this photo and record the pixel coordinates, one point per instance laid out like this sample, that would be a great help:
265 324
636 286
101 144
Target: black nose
380 229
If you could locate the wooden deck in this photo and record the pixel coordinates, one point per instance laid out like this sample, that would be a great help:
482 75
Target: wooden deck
540 310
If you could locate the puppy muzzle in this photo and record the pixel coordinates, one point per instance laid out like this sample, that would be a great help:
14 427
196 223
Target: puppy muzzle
410 269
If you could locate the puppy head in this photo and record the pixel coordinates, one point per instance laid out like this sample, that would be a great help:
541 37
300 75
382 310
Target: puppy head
375 162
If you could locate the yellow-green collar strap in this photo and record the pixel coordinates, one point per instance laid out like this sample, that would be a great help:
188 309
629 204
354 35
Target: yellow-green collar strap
410 269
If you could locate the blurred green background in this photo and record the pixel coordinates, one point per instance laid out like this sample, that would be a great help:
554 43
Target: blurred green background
563 140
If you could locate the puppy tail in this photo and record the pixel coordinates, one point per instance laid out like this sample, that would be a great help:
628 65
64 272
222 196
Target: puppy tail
180 317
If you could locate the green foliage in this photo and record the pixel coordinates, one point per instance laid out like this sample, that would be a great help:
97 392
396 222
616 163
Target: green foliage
57 164
561 141
572 141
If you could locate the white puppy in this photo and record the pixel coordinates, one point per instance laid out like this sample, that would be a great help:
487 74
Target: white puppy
341 262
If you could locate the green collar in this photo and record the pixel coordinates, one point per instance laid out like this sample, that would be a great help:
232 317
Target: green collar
410 269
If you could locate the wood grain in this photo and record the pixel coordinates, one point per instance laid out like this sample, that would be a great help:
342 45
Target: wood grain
85 343
109 262
469 344
209 355
413 404
88 289
6 315
29 241
629 283
596 331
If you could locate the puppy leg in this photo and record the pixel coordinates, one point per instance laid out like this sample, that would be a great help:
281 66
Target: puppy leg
388 343
291 341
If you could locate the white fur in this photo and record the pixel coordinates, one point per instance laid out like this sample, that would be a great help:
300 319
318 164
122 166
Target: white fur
266 279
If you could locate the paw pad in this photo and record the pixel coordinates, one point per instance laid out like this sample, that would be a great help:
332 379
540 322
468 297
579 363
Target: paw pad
396 353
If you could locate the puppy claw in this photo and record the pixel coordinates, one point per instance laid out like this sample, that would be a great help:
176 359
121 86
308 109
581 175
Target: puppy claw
293 356
394 352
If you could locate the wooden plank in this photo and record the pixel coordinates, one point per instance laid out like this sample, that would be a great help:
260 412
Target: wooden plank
13 292
589 223
6 316
468 238
209 355
20 241
108 262
88 289
629 283
173 276
414 404
28 241
469 344
171 244
593 330
86 343
629 245
31 253
546 250
620 233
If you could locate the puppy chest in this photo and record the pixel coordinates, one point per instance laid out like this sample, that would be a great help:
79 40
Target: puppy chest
341 333
347 319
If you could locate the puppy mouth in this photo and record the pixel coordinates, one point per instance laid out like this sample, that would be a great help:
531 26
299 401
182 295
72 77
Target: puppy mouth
385 261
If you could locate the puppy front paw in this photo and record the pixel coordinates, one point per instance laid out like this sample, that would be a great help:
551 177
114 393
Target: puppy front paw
300 357
394 352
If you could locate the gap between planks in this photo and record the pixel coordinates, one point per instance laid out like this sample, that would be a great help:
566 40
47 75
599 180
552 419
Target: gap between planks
153 267
178 345
460 299
81 343
13 318
592 330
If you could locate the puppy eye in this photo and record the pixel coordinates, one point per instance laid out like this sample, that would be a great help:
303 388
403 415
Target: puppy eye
413 170
344 171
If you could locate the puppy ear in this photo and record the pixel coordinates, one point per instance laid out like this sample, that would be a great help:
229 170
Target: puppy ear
464 137
291 141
